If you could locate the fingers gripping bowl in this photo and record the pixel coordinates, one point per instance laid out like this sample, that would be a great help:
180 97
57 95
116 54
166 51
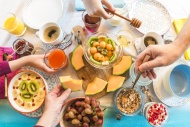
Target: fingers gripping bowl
102 50
26 91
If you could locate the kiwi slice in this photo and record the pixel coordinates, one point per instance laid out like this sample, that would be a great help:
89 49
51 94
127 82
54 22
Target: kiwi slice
91 40
110 41
33 87
23 86
104 52
94 61
26 96
99 49
113 58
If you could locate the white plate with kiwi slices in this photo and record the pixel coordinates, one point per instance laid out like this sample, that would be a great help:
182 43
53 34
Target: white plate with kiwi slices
27 90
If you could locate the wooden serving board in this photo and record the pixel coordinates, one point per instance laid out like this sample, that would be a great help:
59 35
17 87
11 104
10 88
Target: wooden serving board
88 73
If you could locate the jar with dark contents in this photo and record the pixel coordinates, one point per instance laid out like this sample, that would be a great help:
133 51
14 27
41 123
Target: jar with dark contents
23 47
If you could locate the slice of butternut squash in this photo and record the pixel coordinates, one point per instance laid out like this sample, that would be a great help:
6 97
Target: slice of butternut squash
76 58
96 86
73 84
122 66
115 82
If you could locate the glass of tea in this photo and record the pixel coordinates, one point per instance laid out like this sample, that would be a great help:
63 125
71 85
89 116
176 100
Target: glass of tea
55 58
91 23
12 24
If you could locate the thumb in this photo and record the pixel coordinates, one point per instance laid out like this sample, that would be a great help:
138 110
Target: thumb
64 95
108 5
149 65
105 14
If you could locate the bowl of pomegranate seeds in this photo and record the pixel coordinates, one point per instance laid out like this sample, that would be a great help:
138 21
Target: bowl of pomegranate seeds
155 113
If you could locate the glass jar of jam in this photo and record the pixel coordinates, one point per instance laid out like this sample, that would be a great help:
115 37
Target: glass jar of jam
23 47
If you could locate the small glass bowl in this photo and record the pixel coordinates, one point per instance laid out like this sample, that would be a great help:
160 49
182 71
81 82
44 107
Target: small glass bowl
115 20
142 81
141 104
147 110
118 51
127 41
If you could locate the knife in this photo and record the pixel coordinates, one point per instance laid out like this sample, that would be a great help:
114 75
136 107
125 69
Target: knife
5 77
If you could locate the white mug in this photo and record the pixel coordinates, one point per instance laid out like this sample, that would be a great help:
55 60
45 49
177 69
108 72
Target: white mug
41 33
154 35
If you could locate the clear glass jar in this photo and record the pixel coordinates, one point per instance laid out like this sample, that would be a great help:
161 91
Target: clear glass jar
156 113
142 81
140 95
115 20
23 47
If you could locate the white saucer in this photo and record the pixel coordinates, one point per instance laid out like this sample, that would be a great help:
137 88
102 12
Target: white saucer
38 12
160 90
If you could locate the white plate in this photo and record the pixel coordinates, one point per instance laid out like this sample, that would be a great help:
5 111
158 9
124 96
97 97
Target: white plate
51 80
154 16
38 12
10 90
160 90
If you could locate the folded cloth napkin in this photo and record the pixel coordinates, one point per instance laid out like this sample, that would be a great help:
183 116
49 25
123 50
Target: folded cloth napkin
79 6
7 50
178 24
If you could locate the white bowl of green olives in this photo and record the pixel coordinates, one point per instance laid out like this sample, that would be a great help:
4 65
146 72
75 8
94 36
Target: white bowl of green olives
82 112
102 50
27 91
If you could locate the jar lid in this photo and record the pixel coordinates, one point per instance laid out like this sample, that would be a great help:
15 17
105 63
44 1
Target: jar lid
142 81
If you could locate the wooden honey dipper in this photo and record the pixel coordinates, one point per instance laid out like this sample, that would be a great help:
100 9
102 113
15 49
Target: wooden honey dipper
134 22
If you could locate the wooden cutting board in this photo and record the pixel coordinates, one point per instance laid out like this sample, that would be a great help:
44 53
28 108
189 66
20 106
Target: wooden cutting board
88 72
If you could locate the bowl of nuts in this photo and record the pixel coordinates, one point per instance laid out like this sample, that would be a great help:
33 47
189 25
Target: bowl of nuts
129 101
82 112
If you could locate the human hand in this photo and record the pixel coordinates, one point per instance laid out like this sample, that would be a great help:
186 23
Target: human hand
37 61
161 55
95 8
53 104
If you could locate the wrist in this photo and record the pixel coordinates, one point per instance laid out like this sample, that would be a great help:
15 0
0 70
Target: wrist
180 46
27 60
47 119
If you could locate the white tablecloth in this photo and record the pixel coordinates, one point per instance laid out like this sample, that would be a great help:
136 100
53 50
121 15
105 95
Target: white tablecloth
177 9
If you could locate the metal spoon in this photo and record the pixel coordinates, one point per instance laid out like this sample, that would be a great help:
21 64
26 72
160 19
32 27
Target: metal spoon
146 91
147 57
